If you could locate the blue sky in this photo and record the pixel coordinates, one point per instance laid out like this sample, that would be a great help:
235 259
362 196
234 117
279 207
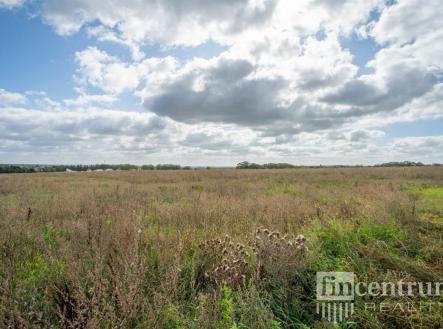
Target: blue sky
82 82
39 59
34 57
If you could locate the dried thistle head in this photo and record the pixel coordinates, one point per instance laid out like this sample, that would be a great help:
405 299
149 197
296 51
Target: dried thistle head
300 239
269 254
230 262
278 255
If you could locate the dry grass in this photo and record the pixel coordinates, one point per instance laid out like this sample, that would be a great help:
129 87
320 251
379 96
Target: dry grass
131 249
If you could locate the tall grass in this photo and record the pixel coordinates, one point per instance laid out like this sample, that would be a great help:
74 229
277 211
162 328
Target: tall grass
136 249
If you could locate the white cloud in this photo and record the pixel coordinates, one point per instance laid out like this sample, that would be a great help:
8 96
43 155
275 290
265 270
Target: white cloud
283 84
407 20
9 98
9 4
419 147
107 73
276 76
404 85
194 22
168 21
364 134
80 127
278 85
84 99
96 134
269 91
104 34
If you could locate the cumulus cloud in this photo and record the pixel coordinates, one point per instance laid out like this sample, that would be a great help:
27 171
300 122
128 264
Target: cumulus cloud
278 76
92 133
397 86
406 70
98 69
84 99
97 134
9 98
408 20
218 141
282 85
247 89
9 4
89 122
170 22
218 92
194 22
364 134
97 131
103 71
427 146
105 34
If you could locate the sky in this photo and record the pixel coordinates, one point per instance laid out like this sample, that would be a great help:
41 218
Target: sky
200 82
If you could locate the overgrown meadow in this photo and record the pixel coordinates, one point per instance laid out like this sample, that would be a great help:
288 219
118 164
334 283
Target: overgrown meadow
214 248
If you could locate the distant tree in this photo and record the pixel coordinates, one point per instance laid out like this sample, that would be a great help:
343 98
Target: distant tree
278 165
401 164
167 167
243 165
251 165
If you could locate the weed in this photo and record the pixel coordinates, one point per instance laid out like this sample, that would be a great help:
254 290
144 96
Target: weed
226 310
131 249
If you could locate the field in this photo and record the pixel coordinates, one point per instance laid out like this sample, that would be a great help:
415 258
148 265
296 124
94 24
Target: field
191 249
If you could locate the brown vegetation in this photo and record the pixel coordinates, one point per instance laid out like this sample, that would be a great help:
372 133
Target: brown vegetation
155 249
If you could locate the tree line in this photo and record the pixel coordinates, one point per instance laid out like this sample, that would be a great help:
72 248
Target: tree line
31 168
252 165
